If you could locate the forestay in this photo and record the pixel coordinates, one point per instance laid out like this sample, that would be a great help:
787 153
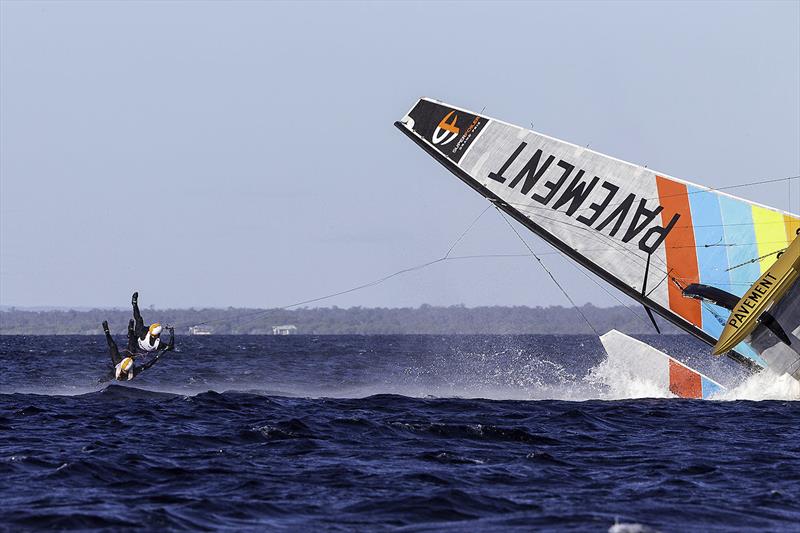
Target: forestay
648 234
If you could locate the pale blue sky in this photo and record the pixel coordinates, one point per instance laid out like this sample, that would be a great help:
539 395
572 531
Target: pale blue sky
243 154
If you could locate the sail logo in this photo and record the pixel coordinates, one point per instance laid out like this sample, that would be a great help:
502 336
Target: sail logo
758 292
446 131
629 218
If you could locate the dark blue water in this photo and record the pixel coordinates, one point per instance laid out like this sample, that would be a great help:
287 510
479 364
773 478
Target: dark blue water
374 433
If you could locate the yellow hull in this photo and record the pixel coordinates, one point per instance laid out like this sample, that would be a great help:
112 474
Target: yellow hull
769 288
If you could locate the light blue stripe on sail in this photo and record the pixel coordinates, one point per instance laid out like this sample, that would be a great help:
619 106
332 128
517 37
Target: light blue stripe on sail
712 257
745 349
737 217
709 387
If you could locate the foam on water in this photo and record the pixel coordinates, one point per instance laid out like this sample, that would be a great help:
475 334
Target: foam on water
615 381
765 385
622 527
621 384
498 368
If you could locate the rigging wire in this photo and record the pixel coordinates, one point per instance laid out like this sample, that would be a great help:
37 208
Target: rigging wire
611 245
464 233
634 256
603 287
596 232
258 314
552 277
755 259
447 257
687 193
631 255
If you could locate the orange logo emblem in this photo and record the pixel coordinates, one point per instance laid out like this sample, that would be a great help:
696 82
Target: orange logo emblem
446 131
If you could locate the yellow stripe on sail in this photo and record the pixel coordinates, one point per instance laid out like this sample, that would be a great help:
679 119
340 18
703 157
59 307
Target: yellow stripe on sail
770 235
792 225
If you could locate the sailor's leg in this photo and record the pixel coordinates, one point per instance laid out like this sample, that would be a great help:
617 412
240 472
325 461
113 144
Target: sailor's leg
112 346
114 352
137 316
109 339
132 340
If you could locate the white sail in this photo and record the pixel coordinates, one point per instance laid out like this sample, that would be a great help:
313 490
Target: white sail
648 234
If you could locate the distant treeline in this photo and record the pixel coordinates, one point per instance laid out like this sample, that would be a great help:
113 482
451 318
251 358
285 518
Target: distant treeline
336 321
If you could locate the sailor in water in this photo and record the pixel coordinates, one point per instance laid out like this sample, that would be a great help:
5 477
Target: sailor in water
147 338
125 364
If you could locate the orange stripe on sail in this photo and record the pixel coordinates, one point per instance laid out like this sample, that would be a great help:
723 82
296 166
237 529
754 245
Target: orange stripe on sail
792 225
680 249
684 382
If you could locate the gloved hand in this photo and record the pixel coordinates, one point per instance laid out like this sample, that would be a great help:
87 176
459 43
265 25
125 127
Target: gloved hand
105 326
135 298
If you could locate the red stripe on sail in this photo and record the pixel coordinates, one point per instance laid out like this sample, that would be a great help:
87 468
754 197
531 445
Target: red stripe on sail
684 382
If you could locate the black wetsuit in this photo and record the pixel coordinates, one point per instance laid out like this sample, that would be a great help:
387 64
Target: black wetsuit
140 330
147 359
128 351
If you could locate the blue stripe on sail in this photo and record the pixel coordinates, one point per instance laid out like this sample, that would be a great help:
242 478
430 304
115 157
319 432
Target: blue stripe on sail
737 220
712 256
718 222
739 231
709 387
745 349
714 318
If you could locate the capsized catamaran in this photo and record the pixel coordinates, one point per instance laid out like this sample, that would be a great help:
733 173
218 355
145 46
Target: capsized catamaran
686 252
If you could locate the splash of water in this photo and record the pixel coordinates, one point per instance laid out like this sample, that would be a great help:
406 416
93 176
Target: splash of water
615 381
765 385
619 383
509 374
500 369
